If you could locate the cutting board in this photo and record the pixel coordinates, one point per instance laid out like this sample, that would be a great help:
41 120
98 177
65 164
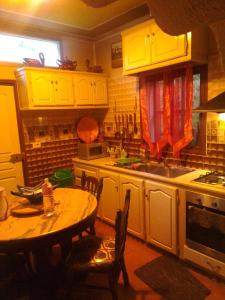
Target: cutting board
27 210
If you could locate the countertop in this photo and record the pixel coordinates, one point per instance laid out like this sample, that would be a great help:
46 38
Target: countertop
183 181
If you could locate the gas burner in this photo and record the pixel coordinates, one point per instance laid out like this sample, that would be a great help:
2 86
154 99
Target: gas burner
212 178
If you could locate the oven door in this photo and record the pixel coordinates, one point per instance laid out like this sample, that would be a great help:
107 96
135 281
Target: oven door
205 230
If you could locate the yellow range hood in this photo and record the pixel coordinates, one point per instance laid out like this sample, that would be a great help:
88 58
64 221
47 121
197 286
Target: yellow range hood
216 104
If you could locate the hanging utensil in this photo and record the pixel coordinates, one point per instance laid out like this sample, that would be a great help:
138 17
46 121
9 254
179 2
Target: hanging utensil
126 126
116 126
123 127
130 126
135 120
135 124
119 125
117 134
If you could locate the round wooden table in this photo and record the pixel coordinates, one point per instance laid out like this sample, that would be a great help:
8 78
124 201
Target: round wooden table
74 211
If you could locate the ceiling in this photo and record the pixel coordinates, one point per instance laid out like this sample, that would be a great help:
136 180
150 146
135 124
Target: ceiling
73 13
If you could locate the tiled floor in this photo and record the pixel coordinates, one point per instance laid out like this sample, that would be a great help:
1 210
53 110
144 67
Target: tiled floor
137 254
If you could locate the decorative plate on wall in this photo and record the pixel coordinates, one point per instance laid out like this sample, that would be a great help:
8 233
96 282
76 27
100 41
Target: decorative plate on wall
87 129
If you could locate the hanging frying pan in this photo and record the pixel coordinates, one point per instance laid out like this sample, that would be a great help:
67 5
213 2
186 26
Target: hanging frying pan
87 129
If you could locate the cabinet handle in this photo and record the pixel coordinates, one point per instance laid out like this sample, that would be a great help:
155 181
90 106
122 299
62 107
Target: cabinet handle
51 81
94 84
56 90
56 82
146 197
148 35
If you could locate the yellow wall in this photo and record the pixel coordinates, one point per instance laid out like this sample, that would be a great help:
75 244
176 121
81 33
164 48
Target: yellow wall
123 91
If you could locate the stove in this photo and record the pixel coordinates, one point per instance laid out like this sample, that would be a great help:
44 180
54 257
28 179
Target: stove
212 178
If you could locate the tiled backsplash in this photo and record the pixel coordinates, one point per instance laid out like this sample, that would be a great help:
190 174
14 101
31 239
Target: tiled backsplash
51 140
123 97
48 129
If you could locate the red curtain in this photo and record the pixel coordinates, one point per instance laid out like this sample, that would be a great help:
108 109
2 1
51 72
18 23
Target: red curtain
166 110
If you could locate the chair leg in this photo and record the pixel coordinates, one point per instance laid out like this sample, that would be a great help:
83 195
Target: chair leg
92 229
113 285
124 271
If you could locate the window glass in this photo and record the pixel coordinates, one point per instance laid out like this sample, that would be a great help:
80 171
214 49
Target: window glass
15 48
196 103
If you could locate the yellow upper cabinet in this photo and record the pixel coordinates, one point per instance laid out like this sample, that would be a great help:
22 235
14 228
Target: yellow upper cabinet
136 47
90 89
42 88
63 89
147 47
47 88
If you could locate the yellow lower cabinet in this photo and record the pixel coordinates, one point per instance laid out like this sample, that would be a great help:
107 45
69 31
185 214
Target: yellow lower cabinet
79 168
161 215
109 201
136 212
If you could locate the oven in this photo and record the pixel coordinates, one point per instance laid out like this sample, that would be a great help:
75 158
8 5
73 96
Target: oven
205 224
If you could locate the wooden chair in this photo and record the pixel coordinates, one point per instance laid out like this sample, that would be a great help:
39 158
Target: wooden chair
12 273
103 255
93 186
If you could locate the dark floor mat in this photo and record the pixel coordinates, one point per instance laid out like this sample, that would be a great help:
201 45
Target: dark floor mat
169 277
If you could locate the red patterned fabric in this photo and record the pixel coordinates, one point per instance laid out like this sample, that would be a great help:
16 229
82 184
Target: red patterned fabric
166 110
181 95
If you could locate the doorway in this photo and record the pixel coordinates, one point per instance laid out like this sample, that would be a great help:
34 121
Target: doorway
11 169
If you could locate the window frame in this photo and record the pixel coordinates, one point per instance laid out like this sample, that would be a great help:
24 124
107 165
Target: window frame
200 148
34 37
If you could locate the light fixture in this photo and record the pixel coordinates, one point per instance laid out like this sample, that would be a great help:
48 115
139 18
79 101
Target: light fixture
98 3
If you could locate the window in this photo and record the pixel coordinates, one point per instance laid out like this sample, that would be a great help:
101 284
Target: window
15 48
198 144
166 110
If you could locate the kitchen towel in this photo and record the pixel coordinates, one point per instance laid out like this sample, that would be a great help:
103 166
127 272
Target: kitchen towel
169 277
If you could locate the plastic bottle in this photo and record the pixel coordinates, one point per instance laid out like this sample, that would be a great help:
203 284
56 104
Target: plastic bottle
48 199
3 204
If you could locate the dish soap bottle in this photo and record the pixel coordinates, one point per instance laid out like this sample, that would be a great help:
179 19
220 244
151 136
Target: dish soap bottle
48 199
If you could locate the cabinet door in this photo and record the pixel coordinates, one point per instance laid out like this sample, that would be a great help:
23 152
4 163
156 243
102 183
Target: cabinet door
78 169
83 90
63 89
41 88
109 202
166 47
136 47
161 215
99 91
136 211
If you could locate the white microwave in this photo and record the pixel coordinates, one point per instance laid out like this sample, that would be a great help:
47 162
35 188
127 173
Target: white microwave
91 151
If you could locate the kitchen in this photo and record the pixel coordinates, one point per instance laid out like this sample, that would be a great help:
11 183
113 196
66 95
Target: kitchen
123 99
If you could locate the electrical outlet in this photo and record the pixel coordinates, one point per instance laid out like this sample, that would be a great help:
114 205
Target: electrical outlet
36 145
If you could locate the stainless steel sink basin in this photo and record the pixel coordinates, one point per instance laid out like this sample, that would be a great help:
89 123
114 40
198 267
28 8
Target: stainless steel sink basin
170 172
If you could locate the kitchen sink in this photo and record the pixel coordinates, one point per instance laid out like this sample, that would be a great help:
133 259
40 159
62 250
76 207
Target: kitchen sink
168 171
172 172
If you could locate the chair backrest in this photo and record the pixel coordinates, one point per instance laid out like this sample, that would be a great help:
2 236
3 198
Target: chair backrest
92 184
121 227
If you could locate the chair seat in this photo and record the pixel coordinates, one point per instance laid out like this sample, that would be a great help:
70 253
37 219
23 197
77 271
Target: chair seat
92 252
